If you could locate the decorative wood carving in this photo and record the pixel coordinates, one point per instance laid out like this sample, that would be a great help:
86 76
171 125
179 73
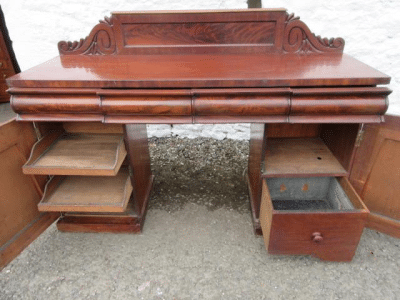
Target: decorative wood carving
101 41
256 31
298 38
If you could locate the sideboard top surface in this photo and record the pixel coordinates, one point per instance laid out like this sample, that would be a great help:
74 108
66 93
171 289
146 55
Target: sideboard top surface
199 71
201 49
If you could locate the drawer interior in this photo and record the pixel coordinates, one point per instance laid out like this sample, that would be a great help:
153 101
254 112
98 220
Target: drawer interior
321 216
309 150
310 194
64 153
87 193
300 156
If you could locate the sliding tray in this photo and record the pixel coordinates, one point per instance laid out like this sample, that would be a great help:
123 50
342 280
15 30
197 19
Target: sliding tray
294 157
61 153
87 193
321 216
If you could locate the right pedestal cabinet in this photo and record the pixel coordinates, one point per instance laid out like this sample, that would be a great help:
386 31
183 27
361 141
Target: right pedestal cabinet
309 181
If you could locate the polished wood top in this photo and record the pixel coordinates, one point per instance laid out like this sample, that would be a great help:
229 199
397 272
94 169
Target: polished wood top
200 71
201 49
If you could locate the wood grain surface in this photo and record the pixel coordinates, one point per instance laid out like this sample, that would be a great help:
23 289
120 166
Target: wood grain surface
291 232
199 71
127 222
77 154
20 220
375 175
300 157
87 193
222 105
256 156
199 33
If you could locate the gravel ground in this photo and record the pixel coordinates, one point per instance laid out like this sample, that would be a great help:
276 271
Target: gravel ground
197 243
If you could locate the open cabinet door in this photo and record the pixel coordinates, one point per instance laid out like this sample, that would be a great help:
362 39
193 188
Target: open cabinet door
20 220
376 174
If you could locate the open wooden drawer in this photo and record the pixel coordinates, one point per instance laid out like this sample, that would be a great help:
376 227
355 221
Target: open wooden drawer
87 193
320 216
86 159
66 153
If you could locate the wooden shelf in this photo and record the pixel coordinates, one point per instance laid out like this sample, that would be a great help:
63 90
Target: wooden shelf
61 153
299 158
87 193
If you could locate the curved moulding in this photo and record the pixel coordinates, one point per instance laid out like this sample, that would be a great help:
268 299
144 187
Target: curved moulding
250 103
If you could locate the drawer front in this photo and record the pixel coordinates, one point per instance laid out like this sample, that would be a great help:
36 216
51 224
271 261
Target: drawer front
83 103
241 102
253 105
304 106
329 235
146 103
339 105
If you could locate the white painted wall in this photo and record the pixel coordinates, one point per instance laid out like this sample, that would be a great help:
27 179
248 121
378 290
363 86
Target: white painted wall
369 27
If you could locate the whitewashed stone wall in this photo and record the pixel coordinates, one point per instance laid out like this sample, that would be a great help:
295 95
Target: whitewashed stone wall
369 27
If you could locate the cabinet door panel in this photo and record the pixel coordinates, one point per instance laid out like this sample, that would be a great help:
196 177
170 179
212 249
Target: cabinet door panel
20 220
376 174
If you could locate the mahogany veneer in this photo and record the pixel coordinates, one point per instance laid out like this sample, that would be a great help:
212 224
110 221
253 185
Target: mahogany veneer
262 66
330 234
200 71
201 67
265 105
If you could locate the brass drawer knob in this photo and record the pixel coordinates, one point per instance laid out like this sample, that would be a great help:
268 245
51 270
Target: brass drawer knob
317 237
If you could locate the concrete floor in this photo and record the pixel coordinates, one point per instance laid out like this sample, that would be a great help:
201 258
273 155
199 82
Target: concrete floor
197 243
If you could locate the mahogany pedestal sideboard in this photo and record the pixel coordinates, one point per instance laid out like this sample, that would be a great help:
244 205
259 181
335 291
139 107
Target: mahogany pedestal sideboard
309 105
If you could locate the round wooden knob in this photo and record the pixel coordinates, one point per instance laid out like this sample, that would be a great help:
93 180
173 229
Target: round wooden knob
317 237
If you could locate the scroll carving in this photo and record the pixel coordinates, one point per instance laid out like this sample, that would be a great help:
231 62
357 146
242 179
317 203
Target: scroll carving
158 34
299 39
101 41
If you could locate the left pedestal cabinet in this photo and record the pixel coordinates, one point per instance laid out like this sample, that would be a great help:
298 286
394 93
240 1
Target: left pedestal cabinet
92 180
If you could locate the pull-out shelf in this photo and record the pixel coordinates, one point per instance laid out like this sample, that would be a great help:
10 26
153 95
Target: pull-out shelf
300 157
88 193
62 153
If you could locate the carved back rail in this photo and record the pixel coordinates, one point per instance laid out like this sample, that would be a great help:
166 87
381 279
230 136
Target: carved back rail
238 31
